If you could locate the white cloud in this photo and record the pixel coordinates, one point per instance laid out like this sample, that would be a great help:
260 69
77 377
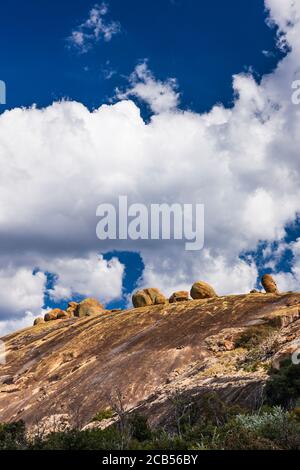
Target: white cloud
25 321
91 277
160 96
20 290
242 163
93 29
290 280
13 325
232 277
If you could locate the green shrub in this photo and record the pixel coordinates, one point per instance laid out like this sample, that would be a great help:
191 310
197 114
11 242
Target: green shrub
276 425
283 387
243 439
161 440
218 426
253 336
104 414
94 439
139 428
12 436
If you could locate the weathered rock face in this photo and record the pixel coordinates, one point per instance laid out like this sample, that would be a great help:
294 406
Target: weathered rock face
286 352
149 296
202 290
269 284
53 314
38 321
156 296
72 306
88 307
141 299
62 315
70 367
179 296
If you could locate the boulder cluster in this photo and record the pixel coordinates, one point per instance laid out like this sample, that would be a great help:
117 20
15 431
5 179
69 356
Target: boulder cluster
85 308
152 296
200 290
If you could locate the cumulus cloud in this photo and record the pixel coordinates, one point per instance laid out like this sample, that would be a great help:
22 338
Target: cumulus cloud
94 29
27 319
21 290
160 96
289 280
241 163
90 277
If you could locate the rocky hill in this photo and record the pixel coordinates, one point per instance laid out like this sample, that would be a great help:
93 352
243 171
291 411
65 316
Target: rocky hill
75 366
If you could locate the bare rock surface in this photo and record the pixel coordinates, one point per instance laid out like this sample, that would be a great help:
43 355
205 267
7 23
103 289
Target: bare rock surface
70 367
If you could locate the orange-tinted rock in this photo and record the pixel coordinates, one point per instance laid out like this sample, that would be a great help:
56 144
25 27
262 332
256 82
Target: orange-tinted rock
156 296
72 306
149 296
146 356
179 296
38 321
52 315
62 315
202 290
141 299
88 307
269 284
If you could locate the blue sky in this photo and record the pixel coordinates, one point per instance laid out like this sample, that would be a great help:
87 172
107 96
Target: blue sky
201 46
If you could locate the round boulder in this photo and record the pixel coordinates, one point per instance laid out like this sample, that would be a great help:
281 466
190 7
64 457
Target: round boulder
38 321
202 290
88 307
141 299
179 296
52 315
269 284
146 297
155 295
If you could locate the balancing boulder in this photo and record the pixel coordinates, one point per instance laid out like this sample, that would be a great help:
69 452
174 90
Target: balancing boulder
202 290
269 284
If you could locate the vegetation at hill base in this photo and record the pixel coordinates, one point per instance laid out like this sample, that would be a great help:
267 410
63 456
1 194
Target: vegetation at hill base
207 423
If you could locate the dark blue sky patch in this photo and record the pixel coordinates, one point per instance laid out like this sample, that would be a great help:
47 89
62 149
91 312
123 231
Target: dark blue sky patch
134 267
201 44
